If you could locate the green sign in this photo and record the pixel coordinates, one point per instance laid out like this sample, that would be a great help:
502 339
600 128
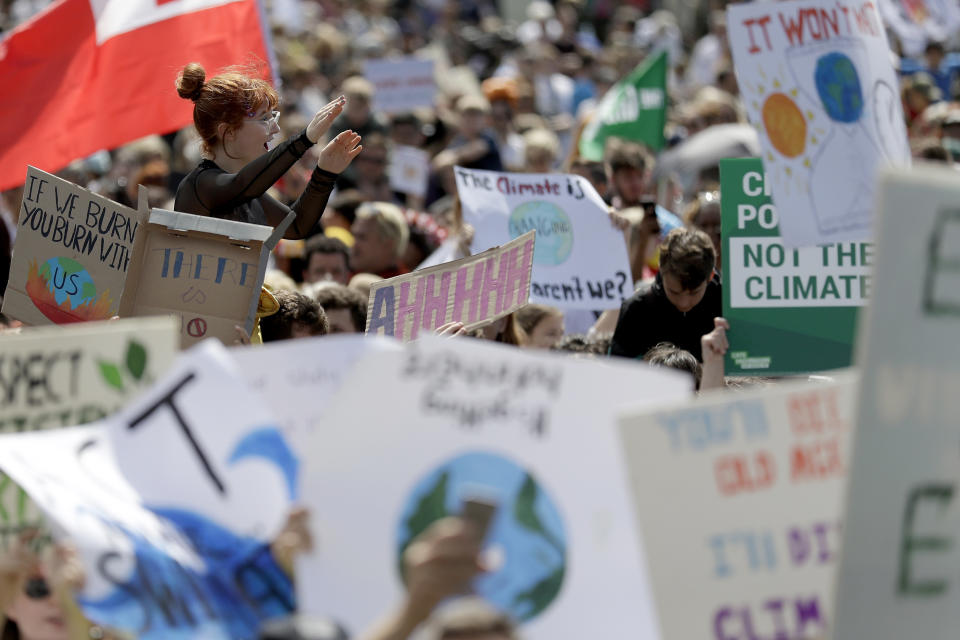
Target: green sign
791 311
633 109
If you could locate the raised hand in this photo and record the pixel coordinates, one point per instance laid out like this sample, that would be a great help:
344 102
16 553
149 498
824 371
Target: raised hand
714 345
324 118
340 152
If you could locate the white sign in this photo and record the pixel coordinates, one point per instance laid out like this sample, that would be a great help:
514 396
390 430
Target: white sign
581 259
73 374
414 433
171 503
448 251
409 170
900 568
299 377
401 85
739 498
831 275
818 84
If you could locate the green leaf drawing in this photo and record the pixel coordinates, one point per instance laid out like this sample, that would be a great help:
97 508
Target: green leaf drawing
136 359
540 595
524 512
88 291
111 373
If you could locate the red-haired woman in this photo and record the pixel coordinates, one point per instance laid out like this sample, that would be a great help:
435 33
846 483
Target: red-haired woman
235 115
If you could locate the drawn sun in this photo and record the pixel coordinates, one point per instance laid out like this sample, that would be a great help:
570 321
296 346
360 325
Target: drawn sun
790 129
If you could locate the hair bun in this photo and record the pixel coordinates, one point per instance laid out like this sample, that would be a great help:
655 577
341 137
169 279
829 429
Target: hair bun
190 81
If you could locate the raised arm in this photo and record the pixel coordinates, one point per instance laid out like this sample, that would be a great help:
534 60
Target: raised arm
334 158
216 189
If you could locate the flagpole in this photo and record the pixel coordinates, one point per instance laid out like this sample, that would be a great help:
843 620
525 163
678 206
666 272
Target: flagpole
268 45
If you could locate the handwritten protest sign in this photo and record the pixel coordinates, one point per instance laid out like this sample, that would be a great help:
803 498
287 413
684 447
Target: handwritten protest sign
900 566
818 83
744 542
171 555
581 260
401 85
475 290
62 376
287 372
409 170
71 255
461 418
790 310
206 271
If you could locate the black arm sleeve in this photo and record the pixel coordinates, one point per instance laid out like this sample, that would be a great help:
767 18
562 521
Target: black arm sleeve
311 203
215 189
624 336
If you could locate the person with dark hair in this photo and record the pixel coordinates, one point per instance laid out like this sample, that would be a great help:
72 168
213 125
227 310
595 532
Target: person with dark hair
298 317
326 259
673 357
235 115
679 306
346 308
588 345
629 166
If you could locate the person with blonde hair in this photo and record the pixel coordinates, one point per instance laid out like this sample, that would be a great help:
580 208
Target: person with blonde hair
541 149
380 235
542 325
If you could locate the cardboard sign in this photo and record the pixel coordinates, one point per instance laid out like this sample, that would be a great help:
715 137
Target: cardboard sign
818 84
401 85
460 418
790 310
745 541
206 271
54 377
475 290
581 259
409 170
900 567
71 255
169 554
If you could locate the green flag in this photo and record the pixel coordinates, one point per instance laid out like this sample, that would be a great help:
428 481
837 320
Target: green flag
633 109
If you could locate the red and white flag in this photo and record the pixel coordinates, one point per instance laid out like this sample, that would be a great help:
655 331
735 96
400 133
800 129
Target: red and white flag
86 75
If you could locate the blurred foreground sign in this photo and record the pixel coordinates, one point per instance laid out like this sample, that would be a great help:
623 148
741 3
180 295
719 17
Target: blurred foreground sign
745 541
900 568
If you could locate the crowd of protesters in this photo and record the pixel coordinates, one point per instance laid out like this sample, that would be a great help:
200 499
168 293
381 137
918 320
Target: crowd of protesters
514 93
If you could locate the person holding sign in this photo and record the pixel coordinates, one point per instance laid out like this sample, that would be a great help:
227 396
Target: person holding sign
236 119
679 306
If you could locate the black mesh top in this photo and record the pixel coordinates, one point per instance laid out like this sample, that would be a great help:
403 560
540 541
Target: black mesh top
208 190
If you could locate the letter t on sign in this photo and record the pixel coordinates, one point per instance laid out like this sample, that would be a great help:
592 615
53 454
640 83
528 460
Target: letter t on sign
167 400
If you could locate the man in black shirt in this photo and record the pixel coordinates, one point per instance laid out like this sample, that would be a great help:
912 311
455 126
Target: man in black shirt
679 306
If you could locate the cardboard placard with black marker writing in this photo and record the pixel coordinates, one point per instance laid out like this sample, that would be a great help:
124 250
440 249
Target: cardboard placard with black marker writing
71 254
206 271
475 291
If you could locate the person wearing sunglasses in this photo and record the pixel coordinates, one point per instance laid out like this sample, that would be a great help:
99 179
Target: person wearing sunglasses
35 600
237 119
